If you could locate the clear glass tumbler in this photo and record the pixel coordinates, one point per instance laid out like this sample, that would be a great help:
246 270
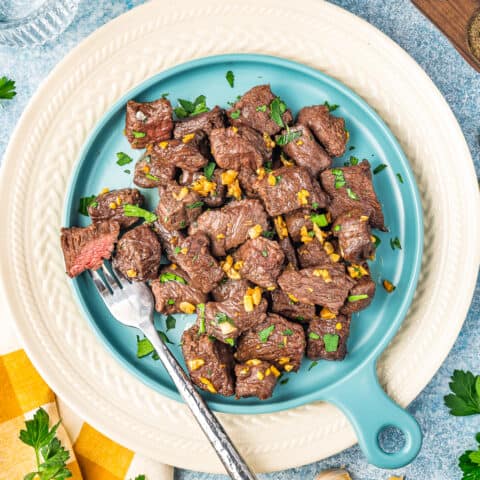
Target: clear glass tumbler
33 22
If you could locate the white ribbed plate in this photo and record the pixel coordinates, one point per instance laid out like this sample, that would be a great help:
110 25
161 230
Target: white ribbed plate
130 49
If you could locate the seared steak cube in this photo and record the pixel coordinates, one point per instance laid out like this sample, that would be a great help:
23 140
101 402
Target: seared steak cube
351 188
289 251
138 254
174 293
261 261
329 130
235 148
312 253
151 171
296 220
211 191
360 296
86 248
230 289
109 206
289 188
228 226
306 151
206 122
285 306
209 362
327 339
227 320
255 378
193 255
275 340
254 110
325 284
354 236
148 122
178 206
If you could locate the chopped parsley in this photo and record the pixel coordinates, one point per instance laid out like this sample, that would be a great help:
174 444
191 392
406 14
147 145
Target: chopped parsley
171 301
351 148
128 171
331 108
315 205
379 168
311 233
145 348
86 202
201 318
377 241
171 277
268 166
277 109
190 109
136 211
222 317
287 332
331 342
264 334
268 233
356 298
300 319
395 243
465 397
230 78
182 224
123 159
312 365
284 381
177 250
165 95
137 134
337 228
339 177
170 322
230 341
319 219
265 252
288 137
195 205
400 178
152 177
7 88
351 194
235 114
208 170
314 336
277 179
261 108
353 160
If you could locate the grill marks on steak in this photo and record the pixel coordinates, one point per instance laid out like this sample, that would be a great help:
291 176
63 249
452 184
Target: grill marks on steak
284 346
255 378
294 188
237 148
310 285
321 347
109 206
328 129
285 306
138 254
206 122
254 110
148 122
306 151
209 362
228 226
86 248
358 179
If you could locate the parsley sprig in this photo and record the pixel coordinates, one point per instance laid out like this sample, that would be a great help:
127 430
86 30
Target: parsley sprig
469 462
190 109
7 88
50 455
465 399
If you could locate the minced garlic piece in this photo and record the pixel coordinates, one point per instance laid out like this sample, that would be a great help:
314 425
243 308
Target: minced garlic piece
238 265
118 201
323 273
268 372
220 236
131 273
184 250
253 362
256 294
334 257
269 143
299 142
146 169
173 266
320 235
271 288
187 307
181 194
112 205
328 247
228 177
338 326
275 371
248 303
163 145
233 274
302 196
208 384
304 236
234 190
260 173
293 298
188 137
283 360
288 367
227 263
204 187
388 286
255 231
286 162
227 328
357 271
244 371
234 129
104 190
195 364
364 218
260 375
272 179
280 227
327 314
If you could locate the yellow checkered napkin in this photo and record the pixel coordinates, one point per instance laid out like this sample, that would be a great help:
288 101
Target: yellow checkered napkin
92 456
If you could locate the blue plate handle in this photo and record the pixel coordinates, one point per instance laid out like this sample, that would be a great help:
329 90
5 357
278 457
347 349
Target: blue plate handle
370 410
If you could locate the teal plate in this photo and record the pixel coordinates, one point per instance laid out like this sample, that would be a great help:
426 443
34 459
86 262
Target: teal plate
351 384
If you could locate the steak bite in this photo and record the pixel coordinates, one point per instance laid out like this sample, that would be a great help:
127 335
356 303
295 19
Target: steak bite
148 122
325 284
192 254
261 261
151 171
173 292
327 338
209 362
255 378
312 253
230 289
360 296
138 254
275 340
229 226
354 237
254 110
289 188
296 221
285 306
289 251
86 248
306 151
206 122
178 206
109 206
211 191
235 148
351 188
328 129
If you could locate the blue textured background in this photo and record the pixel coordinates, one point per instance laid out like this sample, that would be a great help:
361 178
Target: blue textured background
446 437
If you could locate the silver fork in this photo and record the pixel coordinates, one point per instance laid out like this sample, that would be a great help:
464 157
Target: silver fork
131 303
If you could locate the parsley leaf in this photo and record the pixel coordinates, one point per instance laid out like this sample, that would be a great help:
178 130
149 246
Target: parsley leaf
377 241
331 342
277 109
284 381
288 137
356 298
7 88
236 114
353 160
261 108
135 211
123 159
195 205
170 322
465 399
395 243
400 178
469 463
171 277
190 109
352 194
379 168
222 317
201 317
208 170
230 341
331 108
287 332
85 202
312 365
137 134
265 333
319 219
313 336
230 78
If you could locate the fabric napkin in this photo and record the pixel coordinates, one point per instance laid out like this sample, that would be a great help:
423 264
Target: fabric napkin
93 456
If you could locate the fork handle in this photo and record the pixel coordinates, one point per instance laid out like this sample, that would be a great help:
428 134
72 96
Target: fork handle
232 460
